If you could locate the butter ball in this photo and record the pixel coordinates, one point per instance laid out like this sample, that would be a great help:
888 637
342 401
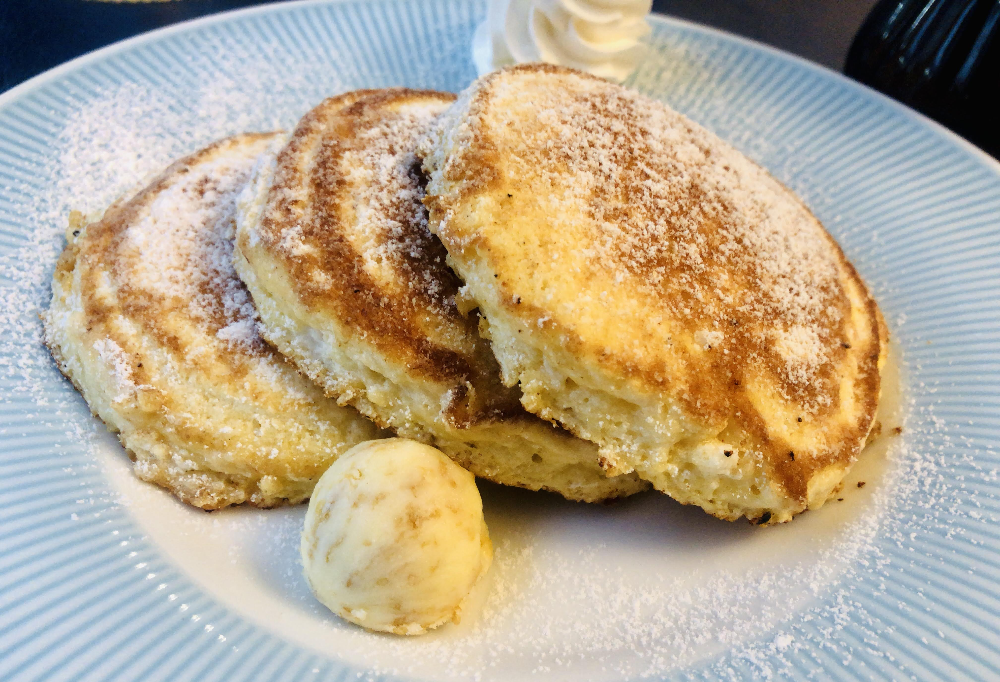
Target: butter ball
394 538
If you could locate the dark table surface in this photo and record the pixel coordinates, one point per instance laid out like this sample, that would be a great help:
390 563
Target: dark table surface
36 35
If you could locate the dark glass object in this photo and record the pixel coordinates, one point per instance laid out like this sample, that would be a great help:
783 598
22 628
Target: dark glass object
941 57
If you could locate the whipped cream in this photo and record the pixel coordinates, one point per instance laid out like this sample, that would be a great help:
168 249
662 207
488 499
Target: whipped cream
603 37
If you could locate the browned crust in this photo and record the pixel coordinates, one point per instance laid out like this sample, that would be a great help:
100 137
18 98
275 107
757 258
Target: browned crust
714 386
150 312
311 192
234 487
387 321
97 256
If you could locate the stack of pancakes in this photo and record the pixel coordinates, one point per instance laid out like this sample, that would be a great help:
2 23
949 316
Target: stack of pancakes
561 284
334 246
150 322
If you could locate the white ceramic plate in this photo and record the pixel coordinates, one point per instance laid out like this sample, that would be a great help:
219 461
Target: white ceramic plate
105 578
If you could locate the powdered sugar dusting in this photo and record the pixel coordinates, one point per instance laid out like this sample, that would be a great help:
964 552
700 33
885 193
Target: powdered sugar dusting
361 184
671 210
802 347
116 140
707 338
590 614
391 225
119 367
933 513
181 250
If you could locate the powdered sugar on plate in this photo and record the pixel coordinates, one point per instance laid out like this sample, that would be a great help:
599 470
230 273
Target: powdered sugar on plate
641 589
645 588
113 142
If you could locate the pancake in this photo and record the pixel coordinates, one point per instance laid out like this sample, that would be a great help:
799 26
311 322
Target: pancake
333 245
151 324
655 291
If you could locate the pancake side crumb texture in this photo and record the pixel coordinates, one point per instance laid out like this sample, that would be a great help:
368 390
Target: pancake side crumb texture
151 324
334 247
655 291
394 537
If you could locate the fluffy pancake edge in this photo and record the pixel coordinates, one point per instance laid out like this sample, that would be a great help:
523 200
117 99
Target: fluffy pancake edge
611 399
172 400
509 448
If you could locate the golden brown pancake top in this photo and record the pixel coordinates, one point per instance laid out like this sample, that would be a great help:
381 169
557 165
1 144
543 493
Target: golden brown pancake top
150 321
650 248
172 272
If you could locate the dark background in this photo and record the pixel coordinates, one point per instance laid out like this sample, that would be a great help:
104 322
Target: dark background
36 35
820 30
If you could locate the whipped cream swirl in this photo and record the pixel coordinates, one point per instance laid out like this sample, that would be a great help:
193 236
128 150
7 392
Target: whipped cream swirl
603 37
